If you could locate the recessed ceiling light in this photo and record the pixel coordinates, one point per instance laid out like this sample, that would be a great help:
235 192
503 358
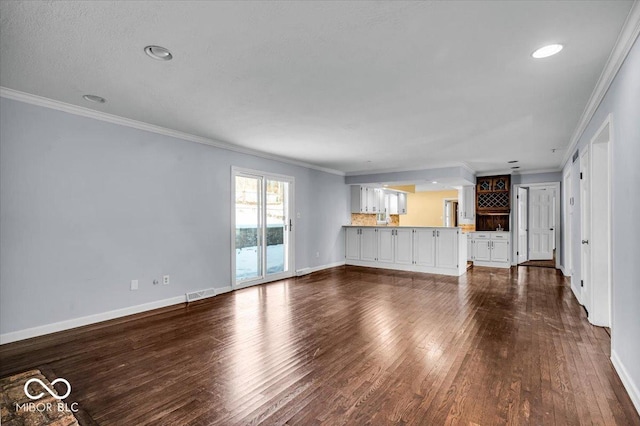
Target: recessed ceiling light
94 98
546 51
385 185
512 161
434 181
158 52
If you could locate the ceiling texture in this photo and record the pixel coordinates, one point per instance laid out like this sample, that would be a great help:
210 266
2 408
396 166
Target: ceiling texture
351 86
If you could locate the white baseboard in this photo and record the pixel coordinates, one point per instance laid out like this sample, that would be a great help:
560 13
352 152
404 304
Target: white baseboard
306 271
577 294
627 381
28 333
565 272
220 290
41 330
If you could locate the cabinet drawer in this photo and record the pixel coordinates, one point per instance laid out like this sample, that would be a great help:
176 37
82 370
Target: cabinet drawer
499 237
480 236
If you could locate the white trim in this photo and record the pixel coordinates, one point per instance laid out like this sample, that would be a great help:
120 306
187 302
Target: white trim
625 378
307 271
518 173
444 165
567 195
89 319
624 43
608 121
221 290
557 218
28 98
264 176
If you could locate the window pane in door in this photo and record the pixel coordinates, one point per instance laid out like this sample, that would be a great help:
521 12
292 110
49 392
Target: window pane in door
277 226
248 228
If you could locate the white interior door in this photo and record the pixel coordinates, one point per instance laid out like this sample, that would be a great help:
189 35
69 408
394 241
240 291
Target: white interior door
585 229
523 223
541 218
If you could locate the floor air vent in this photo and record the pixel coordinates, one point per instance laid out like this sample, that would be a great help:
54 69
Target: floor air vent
200 294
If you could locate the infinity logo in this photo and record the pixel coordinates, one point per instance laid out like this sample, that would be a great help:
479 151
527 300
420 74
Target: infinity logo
50 391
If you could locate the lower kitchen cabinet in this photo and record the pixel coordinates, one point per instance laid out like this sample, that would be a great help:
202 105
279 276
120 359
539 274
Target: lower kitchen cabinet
491 249
434 250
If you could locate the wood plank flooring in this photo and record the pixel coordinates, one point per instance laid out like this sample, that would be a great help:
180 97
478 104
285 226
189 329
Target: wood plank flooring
347 345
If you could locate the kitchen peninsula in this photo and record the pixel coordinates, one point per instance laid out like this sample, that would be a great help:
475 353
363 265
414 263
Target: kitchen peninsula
435 250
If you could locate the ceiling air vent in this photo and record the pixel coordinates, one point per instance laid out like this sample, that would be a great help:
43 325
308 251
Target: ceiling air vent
200 294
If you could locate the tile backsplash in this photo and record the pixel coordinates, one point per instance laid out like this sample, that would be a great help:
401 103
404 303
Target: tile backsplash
361 219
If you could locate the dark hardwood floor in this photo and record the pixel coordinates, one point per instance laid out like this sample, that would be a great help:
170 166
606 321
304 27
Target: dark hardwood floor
347 346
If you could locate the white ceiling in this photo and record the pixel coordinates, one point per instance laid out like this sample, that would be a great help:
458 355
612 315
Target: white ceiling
352 86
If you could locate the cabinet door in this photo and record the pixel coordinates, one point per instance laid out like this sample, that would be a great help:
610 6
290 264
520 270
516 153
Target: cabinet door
368 244
447 248
468 202
470 243
402 203
404 246
393 203
371 201
424 247
352 250
481 250
386 240
499 251
380 200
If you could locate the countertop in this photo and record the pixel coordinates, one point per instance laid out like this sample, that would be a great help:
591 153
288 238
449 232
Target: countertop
397 226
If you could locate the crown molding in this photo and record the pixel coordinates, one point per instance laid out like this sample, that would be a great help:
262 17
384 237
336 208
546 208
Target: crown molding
518 172
408 169
623 45
28 98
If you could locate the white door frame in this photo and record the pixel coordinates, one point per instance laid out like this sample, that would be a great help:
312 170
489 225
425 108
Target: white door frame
556 217
600 273
567 203
518 230
292 250
444 211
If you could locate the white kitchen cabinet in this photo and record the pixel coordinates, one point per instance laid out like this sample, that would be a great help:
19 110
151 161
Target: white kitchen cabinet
364 200
352 238
431 250
386 245
393 202
404 246
424 247
469 247
447 248
491 249
369 244
402 203
468 208
499 251
379 203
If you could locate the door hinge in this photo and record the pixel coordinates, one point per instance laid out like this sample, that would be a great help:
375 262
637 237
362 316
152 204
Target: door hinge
581 283
517 253
580 175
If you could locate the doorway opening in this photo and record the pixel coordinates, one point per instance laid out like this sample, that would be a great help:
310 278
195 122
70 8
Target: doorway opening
450 212
537 218
262 227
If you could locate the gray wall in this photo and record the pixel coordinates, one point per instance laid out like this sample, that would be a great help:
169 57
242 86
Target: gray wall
623 102
86 206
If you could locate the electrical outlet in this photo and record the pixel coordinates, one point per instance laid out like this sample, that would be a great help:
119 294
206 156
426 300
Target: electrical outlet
165 280
134 285
155 282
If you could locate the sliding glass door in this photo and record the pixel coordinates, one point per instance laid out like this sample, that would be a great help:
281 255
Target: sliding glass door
262 229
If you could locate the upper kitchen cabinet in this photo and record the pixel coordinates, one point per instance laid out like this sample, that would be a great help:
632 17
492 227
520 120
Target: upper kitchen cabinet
366 200
468 208
493 194
402 203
